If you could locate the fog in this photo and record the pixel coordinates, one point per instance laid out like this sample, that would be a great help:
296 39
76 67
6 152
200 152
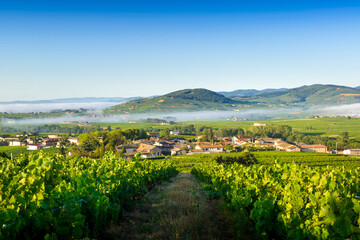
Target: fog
48 107
350 109
97 115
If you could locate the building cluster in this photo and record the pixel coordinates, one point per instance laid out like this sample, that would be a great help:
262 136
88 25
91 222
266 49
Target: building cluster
35 142
277 144
156 146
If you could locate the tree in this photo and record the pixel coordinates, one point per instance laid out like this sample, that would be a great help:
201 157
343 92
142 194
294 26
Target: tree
62 148
166 133
209 135
345 135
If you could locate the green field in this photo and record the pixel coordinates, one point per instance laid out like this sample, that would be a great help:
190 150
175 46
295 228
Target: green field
16 151
309 126
186 162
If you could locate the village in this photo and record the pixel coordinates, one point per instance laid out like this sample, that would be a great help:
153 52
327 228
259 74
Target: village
155 146
33 142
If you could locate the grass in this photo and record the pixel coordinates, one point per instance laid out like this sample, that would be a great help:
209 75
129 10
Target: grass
177 209
18 150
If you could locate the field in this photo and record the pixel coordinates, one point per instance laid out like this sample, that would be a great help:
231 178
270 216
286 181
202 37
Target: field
288 201
50 197
187 162
18 150
285 195
309 126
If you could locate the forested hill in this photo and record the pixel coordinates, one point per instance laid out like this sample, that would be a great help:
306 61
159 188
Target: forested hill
307 96
183 100
206 100
199 94
250 92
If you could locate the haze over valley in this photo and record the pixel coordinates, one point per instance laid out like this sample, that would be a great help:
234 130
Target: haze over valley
191 104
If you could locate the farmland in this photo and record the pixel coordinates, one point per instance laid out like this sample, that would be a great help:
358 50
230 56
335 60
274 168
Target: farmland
18 150
92 192
45 196
310 126
287 201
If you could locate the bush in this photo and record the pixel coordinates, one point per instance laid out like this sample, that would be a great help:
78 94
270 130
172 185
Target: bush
244 158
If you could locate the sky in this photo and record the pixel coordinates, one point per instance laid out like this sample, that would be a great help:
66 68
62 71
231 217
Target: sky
63 49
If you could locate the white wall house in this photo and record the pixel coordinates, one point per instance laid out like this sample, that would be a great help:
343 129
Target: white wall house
32 147
211 148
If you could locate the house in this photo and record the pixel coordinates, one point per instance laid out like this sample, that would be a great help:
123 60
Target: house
196 151
9 139
21 135
16 143
240 143
3 137
174 132
243 138
129 155
129 148
30 140
178 151
149 150
352 151
211 148
164 145
74 141
314 148
265 140
259 124
32 147
154 134
284 146
53 136
224 139
180 140
50 142
267 145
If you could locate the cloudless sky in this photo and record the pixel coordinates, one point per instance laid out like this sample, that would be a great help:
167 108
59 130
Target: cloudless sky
59 49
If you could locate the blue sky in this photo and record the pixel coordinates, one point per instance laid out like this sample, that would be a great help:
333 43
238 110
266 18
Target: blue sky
59 49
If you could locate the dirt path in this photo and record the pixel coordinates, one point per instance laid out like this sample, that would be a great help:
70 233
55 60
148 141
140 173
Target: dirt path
177 209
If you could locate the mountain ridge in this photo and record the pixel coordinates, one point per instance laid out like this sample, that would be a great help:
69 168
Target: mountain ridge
198 99
249 92
206 100
75 100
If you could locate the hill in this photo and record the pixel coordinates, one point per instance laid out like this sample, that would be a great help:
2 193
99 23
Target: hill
206 100
75 100
183 100
307 96
250 92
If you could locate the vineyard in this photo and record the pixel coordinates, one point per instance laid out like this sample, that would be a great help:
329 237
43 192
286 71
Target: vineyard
302 196
289 201
51 197
268 157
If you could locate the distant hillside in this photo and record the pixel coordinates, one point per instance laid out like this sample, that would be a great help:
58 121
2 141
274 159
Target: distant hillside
75 100
206 100
199 94
183 100
250 92
307 95
358 87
